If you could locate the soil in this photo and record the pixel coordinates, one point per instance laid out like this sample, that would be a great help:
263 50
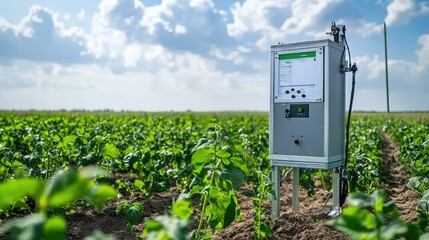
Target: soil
394 181
307 223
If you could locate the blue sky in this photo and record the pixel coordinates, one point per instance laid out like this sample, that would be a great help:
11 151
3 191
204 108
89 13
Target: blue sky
200 55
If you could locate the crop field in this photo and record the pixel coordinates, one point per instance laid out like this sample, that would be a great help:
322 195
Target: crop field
78 175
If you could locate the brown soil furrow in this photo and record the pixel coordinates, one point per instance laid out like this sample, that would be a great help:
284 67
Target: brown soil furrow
394 181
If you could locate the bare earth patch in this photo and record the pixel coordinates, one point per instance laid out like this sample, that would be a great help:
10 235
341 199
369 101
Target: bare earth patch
394 181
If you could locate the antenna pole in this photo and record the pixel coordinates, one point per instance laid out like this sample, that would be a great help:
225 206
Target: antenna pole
387 71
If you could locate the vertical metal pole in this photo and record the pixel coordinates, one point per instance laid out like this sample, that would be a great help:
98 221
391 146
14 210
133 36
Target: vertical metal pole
336 189
275 206
387 71
295 189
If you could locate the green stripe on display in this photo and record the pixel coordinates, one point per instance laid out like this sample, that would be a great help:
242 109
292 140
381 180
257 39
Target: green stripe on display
297 55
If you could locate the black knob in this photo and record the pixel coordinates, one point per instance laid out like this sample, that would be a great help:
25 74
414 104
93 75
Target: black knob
296 141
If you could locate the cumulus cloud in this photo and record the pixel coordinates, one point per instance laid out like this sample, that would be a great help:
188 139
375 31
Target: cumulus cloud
372 67
81 14
269 22
176 26
367 29
400 12
40 36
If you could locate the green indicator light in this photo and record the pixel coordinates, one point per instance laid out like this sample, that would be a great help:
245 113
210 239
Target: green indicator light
287 91
300 110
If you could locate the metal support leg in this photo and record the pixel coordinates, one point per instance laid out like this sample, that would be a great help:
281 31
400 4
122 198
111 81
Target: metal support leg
336 209
336 189
295 189
275 207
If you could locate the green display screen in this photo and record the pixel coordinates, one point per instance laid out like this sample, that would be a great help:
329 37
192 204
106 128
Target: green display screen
297 55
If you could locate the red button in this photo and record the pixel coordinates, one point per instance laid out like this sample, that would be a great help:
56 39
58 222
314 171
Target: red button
292 89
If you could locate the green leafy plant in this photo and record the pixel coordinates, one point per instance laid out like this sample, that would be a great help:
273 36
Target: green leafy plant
217 174
172 227
65 187
370 217
263 191
133 213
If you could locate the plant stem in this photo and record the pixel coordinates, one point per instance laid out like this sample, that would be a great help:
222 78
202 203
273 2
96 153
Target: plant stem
203 212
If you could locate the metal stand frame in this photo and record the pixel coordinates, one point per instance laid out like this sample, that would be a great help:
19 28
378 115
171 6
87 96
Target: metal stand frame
275 208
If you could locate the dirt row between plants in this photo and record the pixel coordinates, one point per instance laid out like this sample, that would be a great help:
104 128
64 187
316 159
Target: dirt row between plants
394 181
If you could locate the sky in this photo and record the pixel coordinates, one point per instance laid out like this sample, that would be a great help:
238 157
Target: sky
199 55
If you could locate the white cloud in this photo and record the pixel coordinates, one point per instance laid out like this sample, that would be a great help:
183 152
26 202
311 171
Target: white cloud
371 67
400 12
201 4
414 73
196 27
180 29
81 14
255 16
268 22
131 55
367 29
41 36
423 53
193 84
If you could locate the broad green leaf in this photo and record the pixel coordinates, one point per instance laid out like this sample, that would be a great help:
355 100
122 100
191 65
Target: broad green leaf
133 214
424 202
100 194
200 158
236 175
139 183
110 151
265 230
230 213
74 191
55 228
355 222
29 227
223 154
359 199
393 230
241 164
390 209
176 228
98 235
61 180
183 209
93 171
378 200
68 139
13 190
220 211
151 226
413 183
166 228
425 236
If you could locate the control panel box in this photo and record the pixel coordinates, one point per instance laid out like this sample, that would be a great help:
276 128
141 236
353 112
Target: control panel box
307 106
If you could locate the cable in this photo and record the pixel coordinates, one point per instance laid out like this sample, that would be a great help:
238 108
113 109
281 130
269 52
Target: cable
344 186
348 50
